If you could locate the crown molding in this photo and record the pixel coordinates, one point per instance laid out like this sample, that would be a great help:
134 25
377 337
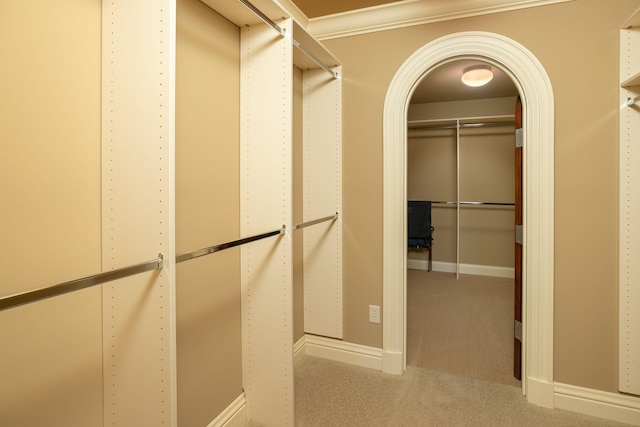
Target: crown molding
408 13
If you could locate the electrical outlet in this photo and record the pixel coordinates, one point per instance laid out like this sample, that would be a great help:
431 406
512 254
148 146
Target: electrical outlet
374 314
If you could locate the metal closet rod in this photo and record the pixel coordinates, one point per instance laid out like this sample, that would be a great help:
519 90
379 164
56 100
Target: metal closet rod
315 59
316 221
108 276
264 17
464 125
78 284
217 248
468 119
474 203
632 101
283 33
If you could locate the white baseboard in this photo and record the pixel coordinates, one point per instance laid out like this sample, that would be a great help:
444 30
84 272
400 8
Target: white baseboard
611 406
539 392
299 348
450 267
340 351
392 363
235 415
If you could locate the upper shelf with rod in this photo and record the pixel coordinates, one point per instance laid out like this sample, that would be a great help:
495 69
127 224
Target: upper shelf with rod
630 29
633 21
308 53
244 13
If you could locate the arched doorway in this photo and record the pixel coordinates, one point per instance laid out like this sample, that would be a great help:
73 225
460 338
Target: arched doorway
538 110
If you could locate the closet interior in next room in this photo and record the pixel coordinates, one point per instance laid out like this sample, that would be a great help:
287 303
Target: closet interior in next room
460 157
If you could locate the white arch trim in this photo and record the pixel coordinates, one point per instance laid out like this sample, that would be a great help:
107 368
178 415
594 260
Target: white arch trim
538 185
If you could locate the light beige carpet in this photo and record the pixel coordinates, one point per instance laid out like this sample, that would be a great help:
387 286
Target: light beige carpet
329 393
461 326
459 373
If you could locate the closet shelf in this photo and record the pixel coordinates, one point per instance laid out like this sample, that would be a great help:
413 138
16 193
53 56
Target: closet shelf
631 81
629 43
308 53
633 21
240 15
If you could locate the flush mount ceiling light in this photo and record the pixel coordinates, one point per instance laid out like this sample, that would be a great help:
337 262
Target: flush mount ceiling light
477 75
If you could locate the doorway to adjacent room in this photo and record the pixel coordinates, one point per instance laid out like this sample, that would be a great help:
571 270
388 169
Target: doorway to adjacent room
533 84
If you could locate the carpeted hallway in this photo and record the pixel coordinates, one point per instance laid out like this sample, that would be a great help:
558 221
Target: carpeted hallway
461 326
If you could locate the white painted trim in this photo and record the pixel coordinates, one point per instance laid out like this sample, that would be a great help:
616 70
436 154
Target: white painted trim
299 348
611 406
538 255
409 13
393 362
235 415
450 267
538 391
345 352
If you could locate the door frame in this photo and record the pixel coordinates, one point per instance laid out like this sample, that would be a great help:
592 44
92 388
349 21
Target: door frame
536 92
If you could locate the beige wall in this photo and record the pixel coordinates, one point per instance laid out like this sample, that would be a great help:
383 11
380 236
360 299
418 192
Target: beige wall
209 351
50 105
567 38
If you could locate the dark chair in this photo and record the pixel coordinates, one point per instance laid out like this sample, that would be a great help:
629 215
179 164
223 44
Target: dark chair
420 231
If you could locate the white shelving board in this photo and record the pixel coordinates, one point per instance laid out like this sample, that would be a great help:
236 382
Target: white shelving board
629 275
272 44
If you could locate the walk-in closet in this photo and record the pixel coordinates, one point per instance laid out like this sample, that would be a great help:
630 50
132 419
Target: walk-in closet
460 158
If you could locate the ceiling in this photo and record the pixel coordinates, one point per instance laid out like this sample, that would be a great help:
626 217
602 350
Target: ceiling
315 8
442 83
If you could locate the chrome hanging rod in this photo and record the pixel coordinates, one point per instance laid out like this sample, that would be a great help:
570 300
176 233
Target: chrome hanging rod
315 59
264 17
316 221
217 248
466 119
473 203
78 284
464 125
632 101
